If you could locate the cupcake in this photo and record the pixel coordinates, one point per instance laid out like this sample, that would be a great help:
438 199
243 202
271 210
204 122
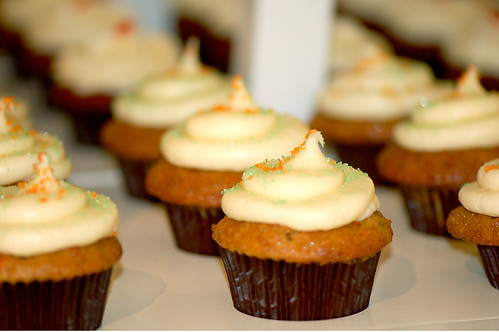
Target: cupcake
19 150
478 45
14 17
141 116
477 218
215 23
351 41
88 75
207 153
440 148
57 253
357 109
301 237
68 23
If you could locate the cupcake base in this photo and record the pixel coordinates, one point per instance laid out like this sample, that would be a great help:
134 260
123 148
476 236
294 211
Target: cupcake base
289 291
191 227
134 173
428 208
75 304
490 259
88 113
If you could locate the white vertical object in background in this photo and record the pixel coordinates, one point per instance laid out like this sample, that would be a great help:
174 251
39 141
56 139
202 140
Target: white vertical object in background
282 52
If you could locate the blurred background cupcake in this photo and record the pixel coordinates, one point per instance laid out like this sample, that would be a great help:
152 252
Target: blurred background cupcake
357 109
142 115
215 23
302 237
207 153
68 23
441 147
477 218
88 75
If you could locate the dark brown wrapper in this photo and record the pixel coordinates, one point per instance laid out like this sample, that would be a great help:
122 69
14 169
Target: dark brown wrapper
490 259
134 173
429 208
290 291
191 227
73 304
362 157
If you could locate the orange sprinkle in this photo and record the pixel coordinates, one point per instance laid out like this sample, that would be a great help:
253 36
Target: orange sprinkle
124 27
220 108
491 167
93 194
32 132
43 199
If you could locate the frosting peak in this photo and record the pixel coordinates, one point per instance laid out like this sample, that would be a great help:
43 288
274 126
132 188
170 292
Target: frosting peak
305 191
43 181
482 196
240 100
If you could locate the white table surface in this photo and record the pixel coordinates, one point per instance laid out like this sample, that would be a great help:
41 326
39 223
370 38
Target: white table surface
422 281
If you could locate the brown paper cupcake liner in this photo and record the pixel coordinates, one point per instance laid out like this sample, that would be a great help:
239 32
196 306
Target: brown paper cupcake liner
74 304
134 173
428 208
490 259
191 227
290 291
362 157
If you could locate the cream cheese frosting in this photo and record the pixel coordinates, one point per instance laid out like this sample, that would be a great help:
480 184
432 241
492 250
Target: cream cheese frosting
16 14
467 119
382 87
351 42
45 215
231 136
72 22
19 150
305 191
482 196
114 62
167 99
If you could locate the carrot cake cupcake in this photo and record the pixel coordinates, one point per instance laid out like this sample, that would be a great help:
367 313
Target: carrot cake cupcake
306 221
141 116
87 76
57 252
440 148
19 149
207 153
476 220
357 109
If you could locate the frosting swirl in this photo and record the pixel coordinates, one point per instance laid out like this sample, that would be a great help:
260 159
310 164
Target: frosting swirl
467 119
167 99
19 150
46 215
482 196
379 88
306 191
115 61
231 136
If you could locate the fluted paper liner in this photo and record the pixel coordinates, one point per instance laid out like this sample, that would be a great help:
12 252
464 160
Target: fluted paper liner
429 208
490 259
191 227
134 173
290 291
73 304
